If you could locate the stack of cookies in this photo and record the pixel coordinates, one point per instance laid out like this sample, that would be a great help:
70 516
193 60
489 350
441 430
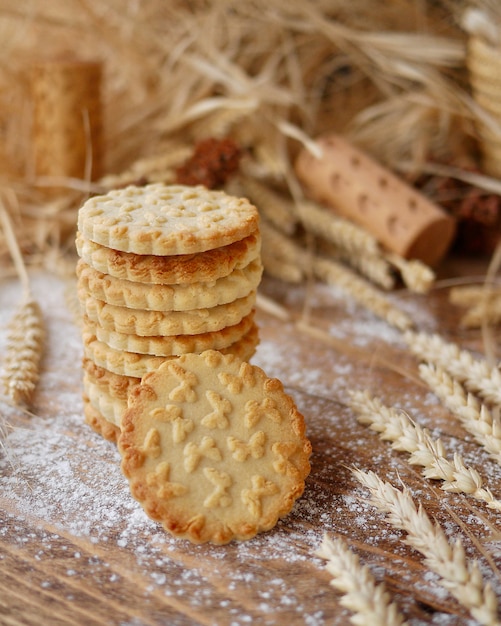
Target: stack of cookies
164 271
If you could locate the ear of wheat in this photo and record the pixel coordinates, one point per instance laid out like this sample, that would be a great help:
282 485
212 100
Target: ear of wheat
362 594
24 350
407 436
26 330
477 376
475 417
460 576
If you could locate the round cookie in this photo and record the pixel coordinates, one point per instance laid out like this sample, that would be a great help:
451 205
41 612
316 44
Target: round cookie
213 448
173 297
165 270
135 365
99 423
170 345
151 323
115 385
166 220
109 407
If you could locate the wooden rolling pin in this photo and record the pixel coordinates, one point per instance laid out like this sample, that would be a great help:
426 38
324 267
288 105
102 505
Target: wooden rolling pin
67 121
355 186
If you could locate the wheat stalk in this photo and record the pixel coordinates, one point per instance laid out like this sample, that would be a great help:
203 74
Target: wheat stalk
417 276
373 267
277 208
364 293
428 453
26 332
345 234
470 295
477 376
369 600
475 417
25 338
460 576
482 303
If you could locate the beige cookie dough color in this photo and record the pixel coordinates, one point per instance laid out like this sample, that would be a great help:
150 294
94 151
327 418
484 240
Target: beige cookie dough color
214 449
166 220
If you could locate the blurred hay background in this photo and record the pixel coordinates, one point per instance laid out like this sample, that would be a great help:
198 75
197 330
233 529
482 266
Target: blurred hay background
269 74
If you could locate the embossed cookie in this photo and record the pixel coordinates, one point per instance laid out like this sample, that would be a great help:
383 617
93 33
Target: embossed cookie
98 423
106 405
213 448
114 385
172 345
136 365
151 323
166 219
178 269
173 297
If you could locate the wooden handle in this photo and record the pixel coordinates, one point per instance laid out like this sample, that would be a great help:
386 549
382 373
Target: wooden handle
67 121
355 186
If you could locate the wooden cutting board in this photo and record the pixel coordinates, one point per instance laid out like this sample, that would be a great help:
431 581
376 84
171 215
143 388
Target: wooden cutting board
75 548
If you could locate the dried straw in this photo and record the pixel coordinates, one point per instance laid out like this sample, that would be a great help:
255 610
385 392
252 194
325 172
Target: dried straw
269 74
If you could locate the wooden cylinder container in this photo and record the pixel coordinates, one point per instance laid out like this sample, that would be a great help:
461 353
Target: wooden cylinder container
67 118
355 186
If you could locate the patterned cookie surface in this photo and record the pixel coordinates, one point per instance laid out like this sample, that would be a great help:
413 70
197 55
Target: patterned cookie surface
115 385
213 448
166 219
172 345
164 270
176 297
109 407
132 364
98 423
151 323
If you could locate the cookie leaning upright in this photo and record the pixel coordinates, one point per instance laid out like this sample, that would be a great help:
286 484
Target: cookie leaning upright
213 448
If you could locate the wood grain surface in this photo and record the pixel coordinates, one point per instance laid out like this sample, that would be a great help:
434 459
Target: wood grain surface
76 549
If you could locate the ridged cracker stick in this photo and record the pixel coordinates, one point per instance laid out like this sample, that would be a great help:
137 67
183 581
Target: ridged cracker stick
459 575
406 436
369 600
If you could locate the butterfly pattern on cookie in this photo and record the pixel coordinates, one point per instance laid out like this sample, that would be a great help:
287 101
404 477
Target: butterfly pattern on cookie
240 475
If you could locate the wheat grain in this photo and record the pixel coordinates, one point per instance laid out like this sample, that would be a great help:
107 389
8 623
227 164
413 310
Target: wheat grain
459 575
484 312
482 304
475 417
343 233
282 270
469 295
375 268
277 208
417 276
24 350
369 600
477 376
428 453
363 292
